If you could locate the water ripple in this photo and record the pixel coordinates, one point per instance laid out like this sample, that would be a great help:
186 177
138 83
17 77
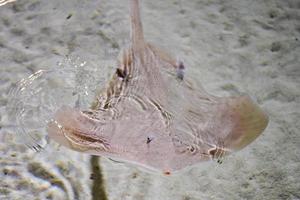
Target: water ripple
35 99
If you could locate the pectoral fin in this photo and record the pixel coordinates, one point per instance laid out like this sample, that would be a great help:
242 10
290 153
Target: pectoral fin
250 123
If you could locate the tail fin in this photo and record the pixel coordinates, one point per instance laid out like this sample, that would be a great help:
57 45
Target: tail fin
137 35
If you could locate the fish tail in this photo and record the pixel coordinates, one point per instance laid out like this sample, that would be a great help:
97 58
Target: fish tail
137 35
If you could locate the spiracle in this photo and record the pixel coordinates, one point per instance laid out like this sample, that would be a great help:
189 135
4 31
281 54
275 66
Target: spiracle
34 100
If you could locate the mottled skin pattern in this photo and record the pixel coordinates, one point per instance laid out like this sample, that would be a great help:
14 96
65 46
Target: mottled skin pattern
151 115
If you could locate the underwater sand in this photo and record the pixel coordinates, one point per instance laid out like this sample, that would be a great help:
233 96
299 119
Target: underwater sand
231 47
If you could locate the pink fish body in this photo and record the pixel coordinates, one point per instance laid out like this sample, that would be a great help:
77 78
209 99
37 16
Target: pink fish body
150 115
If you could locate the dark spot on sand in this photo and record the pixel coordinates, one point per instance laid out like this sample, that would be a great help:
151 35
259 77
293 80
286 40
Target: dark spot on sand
182 11
28 41
69 16
46 30
5 171
276 46
11 172
273 14
31 17
34 6
20 57
6 21
92 176
17 31
244 40
18 7
134 175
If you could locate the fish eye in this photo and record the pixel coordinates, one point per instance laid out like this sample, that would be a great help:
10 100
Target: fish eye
180 65
180 70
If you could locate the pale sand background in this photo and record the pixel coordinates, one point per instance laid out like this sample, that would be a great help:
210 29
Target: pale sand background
231 46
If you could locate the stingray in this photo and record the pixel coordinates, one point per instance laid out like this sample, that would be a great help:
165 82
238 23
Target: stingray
150 114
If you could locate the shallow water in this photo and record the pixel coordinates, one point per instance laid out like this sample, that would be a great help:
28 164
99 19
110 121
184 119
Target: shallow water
230 47
35 99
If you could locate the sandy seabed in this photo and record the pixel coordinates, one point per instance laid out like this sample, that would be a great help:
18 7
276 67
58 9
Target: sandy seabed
232 47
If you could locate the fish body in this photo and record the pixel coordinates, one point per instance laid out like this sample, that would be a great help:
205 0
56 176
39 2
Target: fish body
148 117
